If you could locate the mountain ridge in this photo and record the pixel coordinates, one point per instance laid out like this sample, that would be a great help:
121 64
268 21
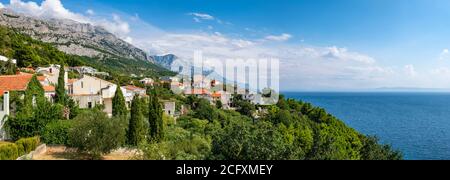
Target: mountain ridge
73 37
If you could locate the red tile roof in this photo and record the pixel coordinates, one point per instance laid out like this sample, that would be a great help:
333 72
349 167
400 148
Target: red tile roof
133 88
49 88
71 81
216 95
41 78
17 82
197 92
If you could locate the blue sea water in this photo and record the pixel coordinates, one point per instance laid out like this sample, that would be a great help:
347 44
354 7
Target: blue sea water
418 124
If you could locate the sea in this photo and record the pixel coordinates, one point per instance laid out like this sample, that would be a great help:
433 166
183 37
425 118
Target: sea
417 124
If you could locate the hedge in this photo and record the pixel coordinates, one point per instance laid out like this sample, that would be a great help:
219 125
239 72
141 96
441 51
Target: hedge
26 145
56 133
8 151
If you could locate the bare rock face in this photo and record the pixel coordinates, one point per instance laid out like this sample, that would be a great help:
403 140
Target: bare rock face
72 37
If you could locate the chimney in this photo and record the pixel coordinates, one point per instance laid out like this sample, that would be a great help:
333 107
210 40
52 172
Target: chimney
6 103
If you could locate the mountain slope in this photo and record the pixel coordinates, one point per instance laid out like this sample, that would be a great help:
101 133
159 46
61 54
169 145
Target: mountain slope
72 37
87 44
165 60
34 53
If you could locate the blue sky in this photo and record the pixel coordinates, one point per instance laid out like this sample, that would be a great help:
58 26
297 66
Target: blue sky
374 43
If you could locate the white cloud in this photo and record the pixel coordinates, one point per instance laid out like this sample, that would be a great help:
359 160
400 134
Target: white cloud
47 9
444 54
116 26
202 16
90 12
1 5
410 70
302 66
343 54
55 9
282 37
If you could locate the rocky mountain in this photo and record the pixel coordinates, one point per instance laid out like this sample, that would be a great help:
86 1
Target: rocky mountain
165 60
72 37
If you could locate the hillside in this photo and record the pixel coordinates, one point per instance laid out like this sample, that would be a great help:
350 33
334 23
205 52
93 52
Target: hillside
89 44
31 52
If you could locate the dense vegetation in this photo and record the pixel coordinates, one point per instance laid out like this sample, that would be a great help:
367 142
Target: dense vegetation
288 130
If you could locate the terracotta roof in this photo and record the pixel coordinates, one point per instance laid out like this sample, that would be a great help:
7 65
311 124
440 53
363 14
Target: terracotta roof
197 92
133 88
41 78
216 95
49 88
17 82
71 81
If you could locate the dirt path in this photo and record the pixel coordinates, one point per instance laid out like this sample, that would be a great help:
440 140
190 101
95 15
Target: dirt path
64 153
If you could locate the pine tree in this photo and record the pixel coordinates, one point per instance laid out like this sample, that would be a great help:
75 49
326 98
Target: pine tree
155 117
61 97
118 103
136 128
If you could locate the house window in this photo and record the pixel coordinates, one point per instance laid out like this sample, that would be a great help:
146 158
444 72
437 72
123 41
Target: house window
82 85
71 89
90 105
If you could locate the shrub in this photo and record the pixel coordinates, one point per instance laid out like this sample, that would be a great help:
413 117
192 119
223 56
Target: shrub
57 133
9 151
26 145
95 134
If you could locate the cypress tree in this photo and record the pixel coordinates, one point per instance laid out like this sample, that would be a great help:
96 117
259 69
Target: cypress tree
155 117
33 94
61 97
136 129
118 103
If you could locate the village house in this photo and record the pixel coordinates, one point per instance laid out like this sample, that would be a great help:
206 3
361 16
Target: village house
88 70
165 80
5 59
130 91
147 81
8 84
52 74
84 69
90 91
169 108
4 113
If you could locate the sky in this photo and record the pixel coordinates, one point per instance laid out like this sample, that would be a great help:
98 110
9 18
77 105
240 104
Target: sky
322 45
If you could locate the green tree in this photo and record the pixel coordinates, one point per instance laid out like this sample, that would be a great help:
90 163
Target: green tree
204 110
61 97
219 104
118 103
96 134
374 151
155 118
136 129
74 108
33 94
